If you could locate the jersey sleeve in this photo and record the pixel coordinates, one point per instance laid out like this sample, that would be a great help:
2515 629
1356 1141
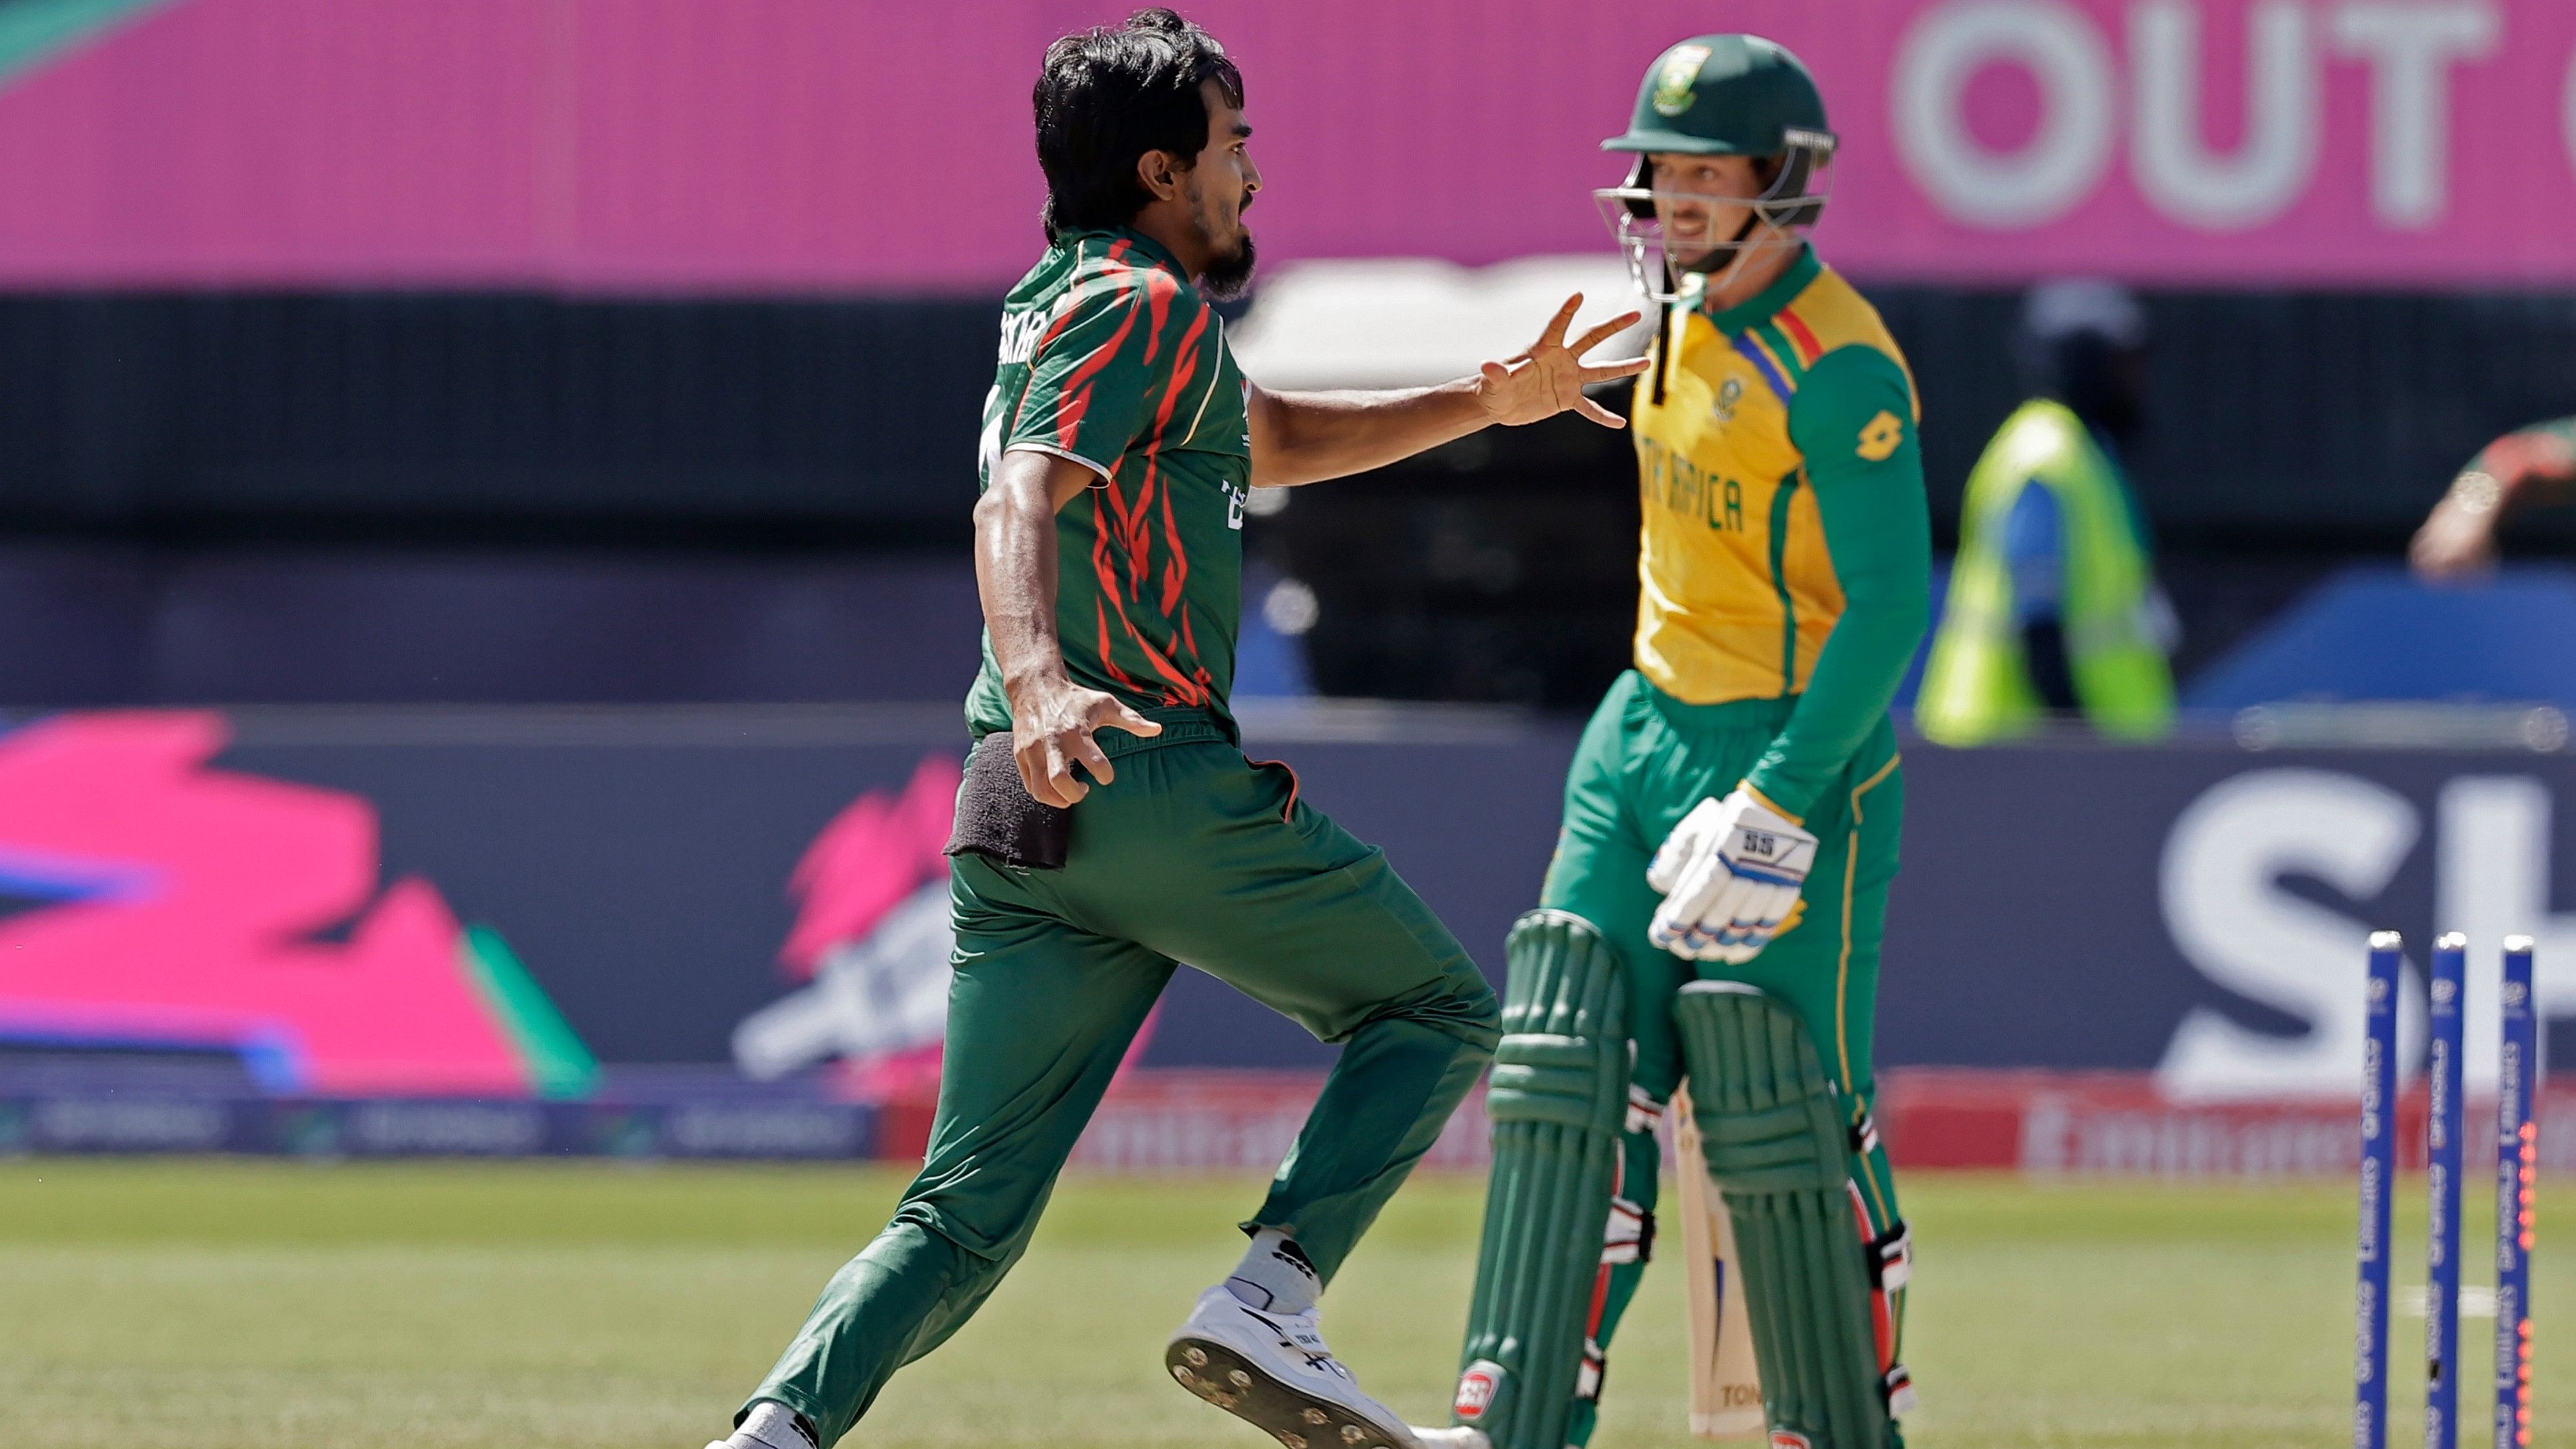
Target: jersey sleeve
1089 379
1854 422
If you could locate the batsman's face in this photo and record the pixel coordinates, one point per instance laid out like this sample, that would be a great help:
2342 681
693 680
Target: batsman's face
1702 201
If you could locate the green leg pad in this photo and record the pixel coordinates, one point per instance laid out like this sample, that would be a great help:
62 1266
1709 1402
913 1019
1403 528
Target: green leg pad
1558 1103
1772 1129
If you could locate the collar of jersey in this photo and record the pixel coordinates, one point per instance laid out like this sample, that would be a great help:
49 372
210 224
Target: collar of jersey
1763 305
1153 250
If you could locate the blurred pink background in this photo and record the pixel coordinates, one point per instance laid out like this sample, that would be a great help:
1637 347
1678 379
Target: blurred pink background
821 145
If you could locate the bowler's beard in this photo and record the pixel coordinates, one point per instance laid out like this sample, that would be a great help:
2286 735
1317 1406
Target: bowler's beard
1230 275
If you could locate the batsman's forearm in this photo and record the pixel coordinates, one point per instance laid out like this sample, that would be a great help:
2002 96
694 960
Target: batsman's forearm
1307 437
1015 578
1855 680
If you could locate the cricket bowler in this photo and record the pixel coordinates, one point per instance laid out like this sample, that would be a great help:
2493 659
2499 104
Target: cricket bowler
1110 829
1715 905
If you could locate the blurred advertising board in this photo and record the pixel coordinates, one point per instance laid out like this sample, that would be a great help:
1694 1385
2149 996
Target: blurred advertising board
97 1118
561 903
722 931
1179 1121
706 145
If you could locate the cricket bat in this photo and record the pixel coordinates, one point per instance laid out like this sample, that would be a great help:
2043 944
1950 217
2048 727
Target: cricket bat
1726 1384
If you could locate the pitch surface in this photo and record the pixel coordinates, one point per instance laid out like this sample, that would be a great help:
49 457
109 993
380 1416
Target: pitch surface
222 1305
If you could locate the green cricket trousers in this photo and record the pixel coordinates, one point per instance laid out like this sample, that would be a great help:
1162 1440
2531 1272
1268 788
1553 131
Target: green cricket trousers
1193 855
1645 760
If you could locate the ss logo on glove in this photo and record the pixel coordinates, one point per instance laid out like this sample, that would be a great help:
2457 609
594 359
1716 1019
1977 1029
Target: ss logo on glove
1730 874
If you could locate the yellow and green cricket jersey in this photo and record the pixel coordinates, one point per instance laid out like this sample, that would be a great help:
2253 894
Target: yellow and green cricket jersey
1110 358
1786 547
1783 574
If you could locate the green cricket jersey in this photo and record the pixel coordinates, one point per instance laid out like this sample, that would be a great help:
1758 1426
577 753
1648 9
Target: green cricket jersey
1111 358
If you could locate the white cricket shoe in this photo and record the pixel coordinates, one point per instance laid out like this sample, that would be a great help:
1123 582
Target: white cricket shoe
1452 1436
1272 1371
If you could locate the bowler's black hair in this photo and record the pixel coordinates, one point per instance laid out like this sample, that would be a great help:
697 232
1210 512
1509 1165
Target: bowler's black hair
1109 95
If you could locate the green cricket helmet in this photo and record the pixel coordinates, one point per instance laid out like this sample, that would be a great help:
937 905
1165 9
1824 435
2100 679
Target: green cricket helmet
1719 95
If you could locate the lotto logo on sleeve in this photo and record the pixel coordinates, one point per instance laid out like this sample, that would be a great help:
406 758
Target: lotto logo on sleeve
1476 1389
1880 438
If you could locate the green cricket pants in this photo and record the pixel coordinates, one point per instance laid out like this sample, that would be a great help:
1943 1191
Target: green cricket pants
1645 760
1193 855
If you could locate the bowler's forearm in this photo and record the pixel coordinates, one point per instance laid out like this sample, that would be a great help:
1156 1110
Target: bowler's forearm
1015 566
1306 437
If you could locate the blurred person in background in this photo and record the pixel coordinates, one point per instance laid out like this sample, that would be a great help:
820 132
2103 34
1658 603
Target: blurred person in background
2053 608
1719 889
2529 467
1109 826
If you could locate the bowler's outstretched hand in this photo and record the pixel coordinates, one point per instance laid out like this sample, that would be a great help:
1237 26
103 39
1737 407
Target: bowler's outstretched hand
1549 376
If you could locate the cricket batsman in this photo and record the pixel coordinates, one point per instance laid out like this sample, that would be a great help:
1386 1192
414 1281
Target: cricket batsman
1716 901
1109 828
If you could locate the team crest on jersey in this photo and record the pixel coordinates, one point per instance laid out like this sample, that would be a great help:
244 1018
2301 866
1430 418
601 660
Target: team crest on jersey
1880 437
1729 393
1676 84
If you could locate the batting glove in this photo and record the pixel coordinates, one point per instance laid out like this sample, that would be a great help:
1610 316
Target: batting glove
1730 874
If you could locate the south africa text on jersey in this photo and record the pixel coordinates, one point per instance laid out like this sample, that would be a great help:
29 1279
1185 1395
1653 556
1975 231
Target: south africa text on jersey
1671 480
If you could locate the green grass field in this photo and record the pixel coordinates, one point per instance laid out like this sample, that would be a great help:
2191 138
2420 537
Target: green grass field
206 1304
